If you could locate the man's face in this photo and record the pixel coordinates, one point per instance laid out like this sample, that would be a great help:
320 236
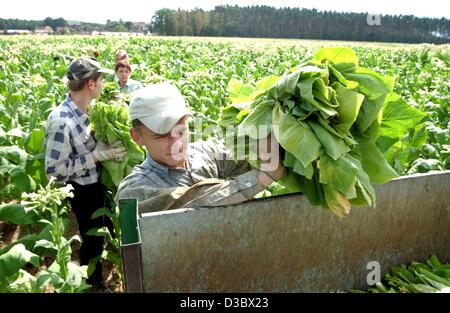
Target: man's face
123 74
168 149
96 86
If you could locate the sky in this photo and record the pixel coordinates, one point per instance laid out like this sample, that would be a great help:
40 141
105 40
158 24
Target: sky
142 10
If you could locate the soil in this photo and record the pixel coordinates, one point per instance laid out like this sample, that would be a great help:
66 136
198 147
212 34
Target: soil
10 233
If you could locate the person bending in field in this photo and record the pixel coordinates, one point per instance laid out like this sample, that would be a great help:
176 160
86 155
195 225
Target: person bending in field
179 174
73 156
122 55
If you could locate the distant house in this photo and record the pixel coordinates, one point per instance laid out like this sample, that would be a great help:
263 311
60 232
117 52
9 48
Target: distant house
139 27
74 25
17 32
63 30
46 30
115 34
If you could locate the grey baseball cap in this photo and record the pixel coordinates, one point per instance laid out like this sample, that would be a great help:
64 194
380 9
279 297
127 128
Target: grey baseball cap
158 106
85 67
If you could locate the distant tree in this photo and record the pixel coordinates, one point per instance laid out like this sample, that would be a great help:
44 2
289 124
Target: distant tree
163 22
120 28
265 21
128 26
54 23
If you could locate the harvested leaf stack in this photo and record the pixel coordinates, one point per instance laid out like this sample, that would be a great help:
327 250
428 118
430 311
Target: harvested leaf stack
326 114
110 123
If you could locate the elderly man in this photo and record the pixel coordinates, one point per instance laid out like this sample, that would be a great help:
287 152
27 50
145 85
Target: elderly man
177 173
72 156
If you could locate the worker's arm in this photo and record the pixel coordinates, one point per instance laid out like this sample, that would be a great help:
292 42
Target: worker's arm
236 183
229 166
209 192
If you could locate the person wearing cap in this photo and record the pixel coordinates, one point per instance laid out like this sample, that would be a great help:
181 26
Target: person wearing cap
126 84
177 173
121 55
73 156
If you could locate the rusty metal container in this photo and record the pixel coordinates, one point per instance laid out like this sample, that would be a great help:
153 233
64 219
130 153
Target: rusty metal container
283 244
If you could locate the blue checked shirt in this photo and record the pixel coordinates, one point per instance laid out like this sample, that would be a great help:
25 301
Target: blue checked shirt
69 145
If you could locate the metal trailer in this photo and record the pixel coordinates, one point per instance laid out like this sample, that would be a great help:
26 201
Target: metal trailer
283 244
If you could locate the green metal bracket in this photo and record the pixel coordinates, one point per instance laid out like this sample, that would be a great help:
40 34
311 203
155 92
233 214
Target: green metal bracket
128 221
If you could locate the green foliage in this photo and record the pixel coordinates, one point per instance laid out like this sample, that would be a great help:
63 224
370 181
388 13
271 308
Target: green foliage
429 277
48 208
110 123
113 253
336 156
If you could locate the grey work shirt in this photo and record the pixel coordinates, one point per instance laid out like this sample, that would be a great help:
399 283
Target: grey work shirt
130 86
211 179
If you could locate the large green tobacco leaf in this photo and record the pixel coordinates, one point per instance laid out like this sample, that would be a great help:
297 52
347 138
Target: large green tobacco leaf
373 162
35 141
333 145
338 174
14 154
22 181
365 190
295 137
265 84
423 166
429 277
343 59
238 92
114 172
339 77
5 166
297 166
325 124
258 124
369 112
375 88
13 260
306 92
350 104
371 84
17 214
398 117
284 88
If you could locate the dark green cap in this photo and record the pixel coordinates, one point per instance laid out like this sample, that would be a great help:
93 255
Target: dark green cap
85 67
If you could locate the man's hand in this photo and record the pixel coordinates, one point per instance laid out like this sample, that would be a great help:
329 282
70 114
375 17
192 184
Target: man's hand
115 151
270 159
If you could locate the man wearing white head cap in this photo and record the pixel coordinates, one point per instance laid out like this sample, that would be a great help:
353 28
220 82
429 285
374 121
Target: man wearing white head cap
177 173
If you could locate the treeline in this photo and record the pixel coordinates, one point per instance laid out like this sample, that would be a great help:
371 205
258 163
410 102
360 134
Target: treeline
124 26
32 25
265 21
113 26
